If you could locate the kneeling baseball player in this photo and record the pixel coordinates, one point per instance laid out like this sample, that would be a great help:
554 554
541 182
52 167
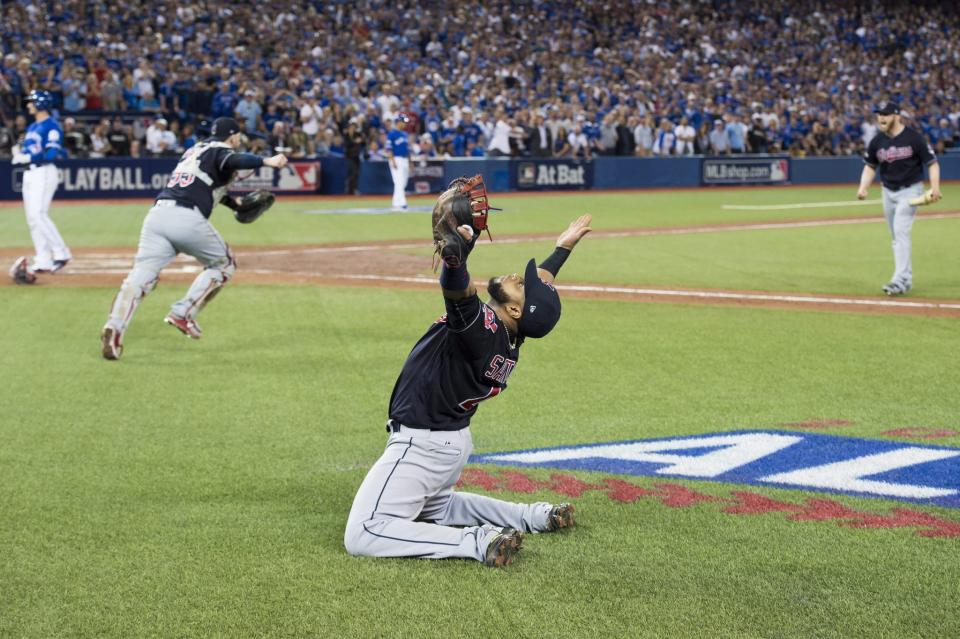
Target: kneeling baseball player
407 506
179 222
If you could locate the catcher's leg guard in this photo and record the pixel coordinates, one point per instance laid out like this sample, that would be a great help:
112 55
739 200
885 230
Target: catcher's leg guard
141 280
205 287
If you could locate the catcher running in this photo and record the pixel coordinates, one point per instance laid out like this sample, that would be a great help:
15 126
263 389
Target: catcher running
407 505
179 223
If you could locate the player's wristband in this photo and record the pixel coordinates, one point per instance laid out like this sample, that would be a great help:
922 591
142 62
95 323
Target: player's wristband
454 279
555 261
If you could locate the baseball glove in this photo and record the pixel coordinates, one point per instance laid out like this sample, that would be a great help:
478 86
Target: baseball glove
248 208
923 200
463 204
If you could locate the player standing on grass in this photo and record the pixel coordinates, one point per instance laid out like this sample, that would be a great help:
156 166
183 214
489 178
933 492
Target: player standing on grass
899 153
407 506
179 222
42 147
398 155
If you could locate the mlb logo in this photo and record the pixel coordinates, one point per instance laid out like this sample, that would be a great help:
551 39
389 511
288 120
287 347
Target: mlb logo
526 174
421 186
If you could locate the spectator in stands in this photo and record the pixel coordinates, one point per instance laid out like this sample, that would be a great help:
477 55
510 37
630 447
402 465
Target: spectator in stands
279 142
719 140
686 137
754 68
301 144
131 95
375 151
74 139
189 136
941 136
248 112
561 144
606 142
111 92
643 136
100 139
500 139
93 101
353 149
158 142
540 142
664 139
311 114
144 76
6 140
625 142
702 141
119 138
757 136
224 101
737 133
74 86
579 145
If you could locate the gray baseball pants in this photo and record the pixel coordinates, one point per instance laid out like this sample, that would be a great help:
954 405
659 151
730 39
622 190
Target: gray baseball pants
168 230
900 216
407 507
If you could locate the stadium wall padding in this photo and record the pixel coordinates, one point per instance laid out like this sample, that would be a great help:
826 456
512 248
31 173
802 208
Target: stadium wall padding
144 177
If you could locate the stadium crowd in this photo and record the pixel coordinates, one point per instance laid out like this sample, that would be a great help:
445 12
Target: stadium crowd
564 77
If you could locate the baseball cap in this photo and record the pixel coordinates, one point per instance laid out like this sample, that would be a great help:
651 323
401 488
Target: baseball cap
223 128
541 304
887 108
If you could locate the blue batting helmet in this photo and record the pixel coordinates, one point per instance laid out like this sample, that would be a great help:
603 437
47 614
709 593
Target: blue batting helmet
41 99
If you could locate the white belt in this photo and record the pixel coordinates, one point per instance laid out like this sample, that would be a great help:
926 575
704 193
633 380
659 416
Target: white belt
165 203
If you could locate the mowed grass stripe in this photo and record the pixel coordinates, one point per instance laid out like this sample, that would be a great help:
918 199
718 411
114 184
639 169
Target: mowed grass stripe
200 488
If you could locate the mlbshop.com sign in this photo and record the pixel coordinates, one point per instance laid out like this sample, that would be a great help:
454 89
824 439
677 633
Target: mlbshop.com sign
746 171
550 174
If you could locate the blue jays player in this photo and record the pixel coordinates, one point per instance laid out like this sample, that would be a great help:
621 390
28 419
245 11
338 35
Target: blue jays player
407 505
179 222
42 147
398 154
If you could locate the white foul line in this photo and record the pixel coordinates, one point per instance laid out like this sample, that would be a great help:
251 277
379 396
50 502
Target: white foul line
679 293
805 205
762 226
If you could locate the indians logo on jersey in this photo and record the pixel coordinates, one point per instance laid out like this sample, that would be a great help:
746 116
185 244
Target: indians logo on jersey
895 153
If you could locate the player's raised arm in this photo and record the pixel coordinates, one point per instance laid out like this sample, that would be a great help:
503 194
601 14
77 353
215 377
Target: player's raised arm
459 216
577 230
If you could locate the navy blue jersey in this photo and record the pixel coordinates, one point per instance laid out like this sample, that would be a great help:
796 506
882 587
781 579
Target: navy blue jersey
463 359
901 158
201 177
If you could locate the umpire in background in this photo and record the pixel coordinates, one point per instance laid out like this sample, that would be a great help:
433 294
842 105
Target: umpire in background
899 153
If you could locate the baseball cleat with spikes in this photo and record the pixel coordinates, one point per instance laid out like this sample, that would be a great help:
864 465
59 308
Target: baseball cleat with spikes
503 547
111 342
561 516
185 325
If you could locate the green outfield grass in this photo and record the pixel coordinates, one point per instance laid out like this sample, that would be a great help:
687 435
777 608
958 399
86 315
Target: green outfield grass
288 222
200 488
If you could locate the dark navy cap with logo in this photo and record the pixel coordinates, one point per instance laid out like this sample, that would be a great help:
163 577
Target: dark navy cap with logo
541 304
887 108
223 128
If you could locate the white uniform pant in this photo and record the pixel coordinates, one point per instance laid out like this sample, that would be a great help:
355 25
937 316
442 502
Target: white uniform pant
406 506
900 216
39 185
168 230
400 172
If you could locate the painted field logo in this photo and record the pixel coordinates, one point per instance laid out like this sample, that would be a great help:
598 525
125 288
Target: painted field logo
873 468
